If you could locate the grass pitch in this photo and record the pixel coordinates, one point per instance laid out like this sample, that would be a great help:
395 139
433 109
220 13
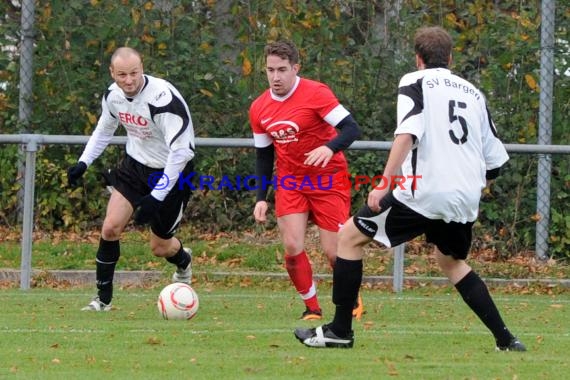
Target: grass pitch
247 333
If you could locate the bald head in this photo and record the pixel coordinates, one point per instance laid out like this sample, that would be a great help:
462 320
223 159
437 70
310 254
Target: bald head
127 70
125 53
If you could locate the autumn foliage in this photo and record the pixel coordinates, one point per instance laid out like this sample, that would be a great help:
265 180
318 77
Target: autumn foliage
213 52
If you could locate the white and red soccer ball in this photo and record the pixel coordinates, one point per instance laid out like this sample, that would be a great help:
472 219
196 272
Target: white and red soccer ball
178 301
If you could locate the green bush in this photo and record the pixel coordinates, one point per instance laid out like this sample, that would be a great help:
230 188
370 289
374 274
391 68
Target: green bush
213 52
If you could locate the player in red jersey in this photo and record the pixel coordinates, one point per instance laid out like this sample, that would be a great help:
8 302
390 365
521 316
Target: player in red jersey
296 121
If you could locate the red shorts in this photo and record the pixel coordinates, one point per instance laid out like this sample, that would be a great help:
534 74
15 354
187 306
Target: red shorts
328 206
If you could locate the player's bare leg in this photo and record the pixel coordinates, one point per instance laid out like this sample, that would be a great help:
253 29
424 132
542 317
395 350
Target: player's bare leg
164 247
329 242
172 250
119 211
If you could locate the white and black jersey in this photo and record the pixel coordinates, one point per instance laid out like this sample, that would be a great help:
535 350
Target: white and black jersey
455 145
159 128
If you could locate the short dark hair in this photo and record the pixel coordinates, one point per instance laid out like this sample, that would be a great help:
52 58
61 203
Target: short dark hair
433 44
284 50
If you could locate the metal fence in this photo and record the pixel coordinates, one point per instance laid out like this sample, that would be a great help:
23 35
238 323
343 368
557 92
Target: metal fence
545 126
32 142
543 149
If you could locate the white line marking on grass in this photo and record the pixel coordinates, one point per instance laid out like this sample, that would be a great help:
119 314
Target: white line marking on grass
367 295
383 331
546 299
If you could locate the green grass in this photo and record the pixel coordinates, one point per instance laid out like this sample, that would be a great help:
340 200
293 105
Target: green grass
244 327
255 251
69 253
246 333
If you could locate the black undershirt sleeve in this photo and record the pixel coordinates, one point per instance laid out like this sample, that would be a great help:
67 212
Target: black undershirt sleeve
263 169
492 174
349 132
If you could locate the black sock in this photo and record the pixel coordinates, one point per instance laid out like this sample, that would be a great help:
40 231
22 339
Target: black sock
476 295
181 258
347 277
106 260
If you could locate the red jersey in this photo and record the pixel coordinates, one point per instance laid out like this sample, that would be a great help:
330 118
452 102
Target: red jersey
297 123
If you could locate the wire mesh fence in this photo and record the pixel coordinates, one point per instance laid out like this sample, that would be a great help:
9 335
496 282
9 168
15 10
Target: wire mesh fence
545 126
543 150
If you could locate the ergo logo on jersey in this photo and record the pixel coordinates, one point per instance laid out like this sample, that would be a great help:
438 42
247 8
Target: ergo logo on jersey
127 118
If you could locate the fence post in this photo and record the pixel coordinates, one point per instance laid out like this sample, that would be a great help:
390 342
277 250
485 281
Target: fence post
28 218
25 100
26 61
545 127
398 271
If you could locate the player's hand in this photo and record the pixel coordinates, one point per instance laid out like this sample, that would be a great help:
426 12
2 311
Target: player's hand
75 172
260 211
319 156
146 210
374 198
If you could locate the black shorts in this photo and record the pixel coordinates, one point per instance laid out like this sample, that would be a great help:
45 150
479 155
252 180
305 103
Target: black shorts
131 179
396 223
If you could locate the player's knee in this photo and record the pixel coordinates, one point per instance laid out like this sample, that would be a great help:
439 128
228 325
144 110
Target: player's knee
292 247
162 248
349 236
158 250
110 231
449 265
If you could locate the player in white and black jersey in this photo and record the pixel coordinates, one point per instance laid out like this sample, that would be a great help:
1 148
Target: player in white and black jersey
445 148
160 148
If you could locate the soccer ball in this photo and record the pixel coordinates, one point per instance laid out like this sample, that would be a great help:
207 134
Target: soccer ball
178 301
